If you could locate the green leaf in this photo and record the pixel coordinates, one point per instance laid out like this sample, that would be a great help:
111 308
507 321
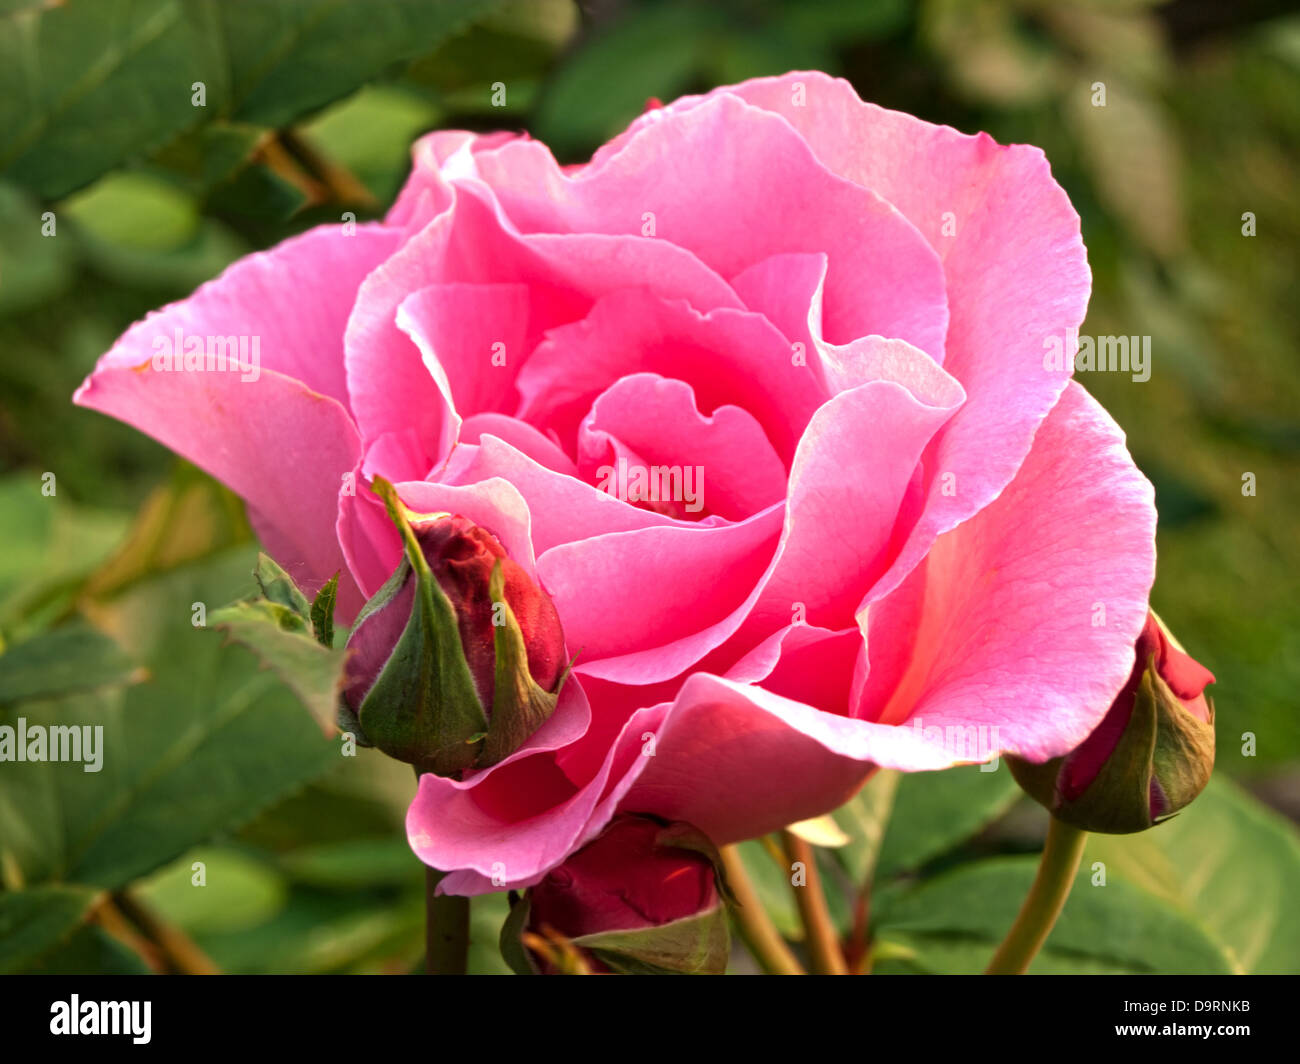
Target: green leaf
236 891
326 932
278 586
134 210
487 915
289 59
839 20
200 747
187 519
26 525
35 922
50 545
864 818
513 951
203 158
35 268
61 662
770 875
356 864
66 68
649 51
143 229
173 270
259 193
934 811
322 612
954 922
1231 863
361 797
370 134
282 641
89 949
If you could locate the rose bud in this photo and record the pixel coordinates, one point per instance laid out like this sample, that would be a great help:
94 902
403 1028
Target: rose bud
643 897
1148 758
459 657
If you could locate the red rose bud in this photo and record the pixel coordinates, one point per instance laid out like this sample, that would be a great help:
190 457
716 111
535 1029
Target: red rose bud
459 657
1151 754
642 897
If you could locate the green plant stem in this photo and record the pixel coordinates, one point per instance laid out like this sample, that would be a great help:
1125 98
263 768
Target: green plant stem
823 941
446 925
446 935
176 952
752 922
857 952
1057 866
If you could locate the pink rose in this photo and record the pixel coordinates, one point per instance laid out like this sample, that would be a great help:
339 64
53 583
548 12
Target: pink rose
914 541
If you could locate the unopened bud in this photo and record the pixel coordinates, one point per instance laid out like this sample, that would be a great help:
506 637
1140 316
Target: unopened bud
459 657
1148 758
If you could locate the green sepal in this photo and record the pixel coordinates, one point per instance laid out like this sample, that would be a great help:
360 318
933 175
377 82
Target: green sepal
513 950
1184 753
1117 801
694 945
345 716
265 611
347 721
1162 741
423 707
519 705
279 587
322 612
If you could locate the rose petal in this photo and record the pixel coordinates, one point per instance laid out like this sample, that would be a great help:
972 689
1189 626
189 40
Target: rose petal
471 338
651 422
1025 617
727 356
848 484
743 185
520 435
470 242
686 589
284 440
1015 268
564 508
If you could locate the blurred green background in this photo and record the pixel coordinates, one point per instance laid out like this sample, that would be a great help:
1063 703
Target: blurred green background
311 108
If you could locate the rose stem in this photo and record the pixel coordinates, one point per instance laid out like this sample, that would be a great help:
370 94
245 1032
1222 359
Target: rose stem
823 941
1062 853
446 938
446 925
755 926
